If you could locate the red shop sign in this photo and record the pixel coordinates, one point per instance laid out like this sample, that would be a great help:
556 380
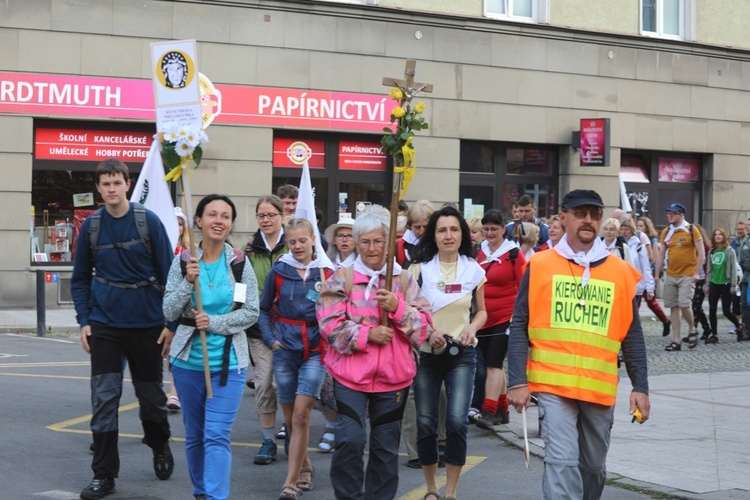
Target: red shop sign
91 145
594 142
361 156
47 95
292 153
679 170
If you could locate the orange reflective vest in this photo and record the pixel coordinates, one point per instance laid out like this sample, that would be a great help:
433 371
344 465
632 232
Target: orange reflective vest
575 333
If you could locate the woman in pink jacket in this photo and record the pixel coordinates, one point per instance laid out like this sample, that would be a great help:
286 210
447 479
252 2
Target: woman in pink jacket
372 365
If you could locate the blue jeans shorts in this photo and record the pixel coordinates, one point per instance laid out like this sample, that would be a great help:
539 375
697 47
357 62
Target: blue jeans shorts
296 376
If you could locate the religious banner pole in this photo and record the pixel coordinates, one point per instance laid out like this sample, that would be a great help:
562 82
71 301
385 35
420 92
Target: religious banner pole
398 143
179 123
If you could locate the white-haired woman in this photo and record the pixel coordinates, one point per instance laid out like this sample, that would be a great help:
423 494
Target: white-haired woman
416 222
372 365
616 246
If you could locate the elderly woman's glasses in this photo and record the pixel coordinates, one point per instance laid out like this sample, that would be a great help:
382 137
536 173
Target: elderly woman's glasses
367 243
344 237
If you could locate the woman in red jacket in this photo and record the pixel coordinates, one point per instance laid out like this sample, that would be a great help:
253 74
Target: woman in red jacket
503 266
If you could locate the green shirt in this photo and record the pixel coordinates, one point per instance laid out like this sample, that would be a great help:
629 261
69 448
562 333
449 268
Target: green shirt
719 262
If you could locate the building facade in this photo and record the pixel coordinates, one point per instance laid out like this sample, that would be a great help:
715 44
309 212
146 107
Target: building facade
513 80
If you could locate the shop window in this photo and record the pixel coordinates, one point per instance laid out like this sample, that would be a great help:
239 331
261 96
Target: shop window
653 181
522 161
518 10
346 170
496 175
633 169
63 191
668 18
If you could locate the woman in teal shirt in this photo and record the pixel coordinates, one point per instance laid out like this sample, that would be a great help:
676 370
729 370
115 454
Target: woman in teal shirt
229 307
721 279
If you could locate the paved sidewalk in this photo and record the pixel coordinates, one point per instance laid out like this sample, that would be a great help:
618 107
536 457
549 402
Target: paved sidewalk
24 320
694 446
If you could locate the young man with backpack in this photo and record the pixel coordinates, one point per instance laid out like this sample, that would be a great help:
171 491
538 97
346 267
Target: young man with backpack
686 257
119 309
527 213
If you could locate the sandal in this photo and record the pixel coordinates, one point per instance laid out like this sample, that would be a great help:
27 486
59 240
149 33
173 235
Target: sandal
326 444
432 495
674 346
306 484
289 492
712 339
692 340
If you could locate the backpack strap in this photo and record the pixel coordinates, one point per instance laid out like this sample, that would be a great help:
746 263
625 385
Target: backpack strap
619 245
348 279
238 265
404 278
278 282
141 225
139 212
96 220
512 255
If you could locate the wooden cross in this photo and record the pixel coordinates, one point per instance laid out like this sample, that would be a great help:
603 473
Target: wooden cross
408 83
410 88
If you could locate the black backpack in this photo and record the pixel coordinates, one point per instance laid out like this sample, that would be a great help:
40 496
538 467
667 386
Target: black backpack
139 213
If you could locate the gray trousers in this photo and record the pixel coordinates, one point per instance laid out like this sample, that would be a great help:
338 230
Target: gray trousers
576 440
385 410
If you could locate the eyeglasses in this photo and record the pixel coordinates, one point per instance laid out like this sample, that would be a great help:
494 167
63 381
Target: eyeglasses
367 243
344 237
266 216
594 213
491 229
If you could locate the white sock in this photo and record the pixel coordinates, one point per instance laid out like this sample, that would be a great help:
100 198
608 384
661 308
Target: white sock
268 433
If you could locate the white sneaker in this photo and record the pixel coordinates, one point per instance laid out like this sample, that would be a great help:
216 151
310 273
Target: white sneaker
473 415
173 403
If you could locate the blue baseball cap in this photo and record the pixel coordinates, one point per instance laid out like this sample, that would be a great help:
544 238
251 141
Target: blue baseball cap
676 207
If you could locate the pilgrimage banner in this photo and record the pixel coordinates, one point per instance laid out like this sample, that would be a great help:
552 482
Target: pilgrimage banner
176 84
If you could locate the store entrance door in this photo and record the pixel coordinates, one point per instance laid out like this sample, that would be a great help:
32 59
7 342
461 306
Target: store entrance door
353 197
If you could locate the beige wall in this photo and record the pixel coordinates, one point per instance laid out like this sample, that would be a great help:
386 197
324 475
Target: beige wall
610 16
493 81
723 22
461 7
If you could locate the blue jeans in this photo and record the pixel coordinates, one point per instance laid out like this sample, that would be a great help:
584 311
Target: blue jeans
458 376
208 424
295 376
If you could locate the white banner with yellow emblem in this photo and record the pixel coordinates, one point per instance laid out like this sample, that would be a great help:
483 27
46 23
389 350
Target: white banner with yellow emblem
176 84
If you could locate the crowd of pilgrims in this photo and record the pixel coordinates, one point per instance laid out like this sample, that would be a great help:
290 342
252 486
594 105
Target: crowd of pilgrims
421 377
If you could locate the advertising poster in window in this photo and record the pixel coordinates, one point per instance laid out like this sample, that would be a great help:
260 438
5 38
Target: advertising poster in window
358 155
595 142
679 170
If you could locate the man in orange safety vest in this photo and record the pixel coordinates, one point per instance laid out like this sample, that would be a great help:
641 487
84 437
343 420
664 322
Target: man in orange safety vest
574 312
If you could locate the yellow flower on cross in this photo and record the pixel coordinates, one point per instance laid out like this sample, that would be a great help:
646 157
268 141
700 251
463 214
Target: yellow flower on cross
398 112
419 107
397 94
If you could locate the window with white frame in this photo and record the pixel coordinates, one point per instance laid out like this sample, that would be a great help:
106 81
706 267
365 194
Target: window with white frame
667 18
517 10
